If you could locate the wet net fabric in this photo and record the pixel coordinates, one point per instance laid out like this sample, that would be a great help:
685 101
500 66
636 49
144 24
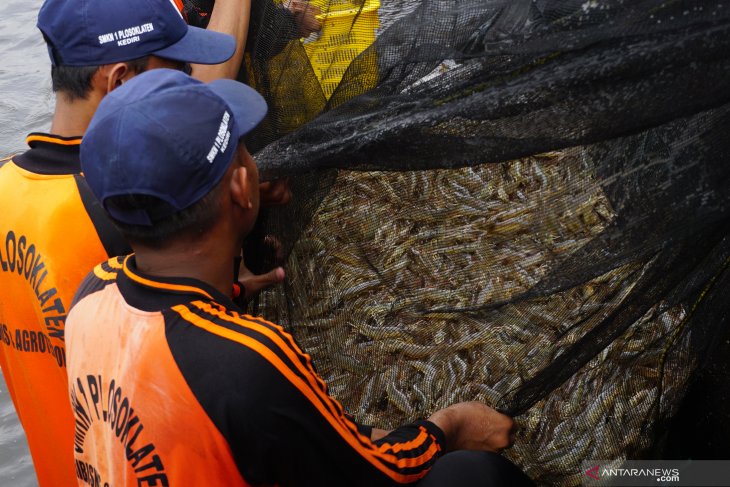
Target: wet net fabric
519 202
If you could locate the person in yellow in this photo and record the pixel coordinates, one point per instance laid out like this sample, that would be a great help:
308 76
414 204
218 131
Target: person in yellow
51 230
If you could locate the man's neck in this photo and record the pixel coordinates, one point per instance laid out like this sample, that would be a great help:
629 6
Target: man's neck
202 261
72 118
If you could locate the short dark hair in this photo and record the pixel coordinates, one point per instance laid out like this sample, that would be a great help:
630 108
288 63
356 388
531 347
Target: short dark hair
75 81
190 222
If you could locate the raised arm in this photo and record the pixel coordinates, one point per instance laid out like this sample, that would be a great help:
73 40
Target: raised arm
229 17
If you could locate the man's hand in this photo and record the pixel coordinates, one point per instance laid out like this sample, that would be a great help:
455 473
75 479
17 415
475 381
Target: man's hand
253 284
274 193
474 426
271 193
305 16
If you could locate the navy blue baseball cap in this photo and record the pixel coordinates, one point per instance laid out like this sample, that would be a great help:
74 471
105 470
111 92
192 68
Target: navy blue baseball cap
167 135
96 32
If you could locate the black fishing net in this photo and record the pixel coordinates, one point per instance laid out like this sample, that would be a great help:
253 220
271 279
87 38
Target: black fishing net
521 202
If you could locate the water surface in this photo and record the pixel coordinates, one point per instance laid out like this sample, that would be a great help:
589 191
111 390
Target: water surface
26 103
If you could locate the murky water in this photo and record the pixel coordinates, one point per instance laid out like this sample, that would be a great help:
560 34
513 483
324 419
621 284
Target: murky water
26 103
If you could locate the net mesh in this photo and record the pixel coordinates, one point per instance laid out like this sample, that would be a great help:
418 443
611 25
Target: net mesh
521 202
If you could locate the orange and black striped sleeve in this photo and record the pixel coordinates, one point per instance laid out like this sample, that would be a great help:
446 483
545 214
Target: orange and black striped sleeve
100 276
263 394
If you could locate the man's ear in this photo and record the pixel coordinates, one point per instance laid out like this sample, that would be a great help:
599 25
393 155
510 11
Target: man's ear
114 75
240 188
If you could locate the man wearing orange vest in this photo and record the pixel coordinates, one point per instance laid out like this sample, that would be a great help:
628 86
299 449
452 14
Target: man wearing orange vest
170 383
52 231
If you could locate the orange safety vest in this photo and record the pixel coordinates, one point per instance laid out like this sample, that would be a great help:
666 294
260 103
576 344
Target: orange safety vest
48 243
171 385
